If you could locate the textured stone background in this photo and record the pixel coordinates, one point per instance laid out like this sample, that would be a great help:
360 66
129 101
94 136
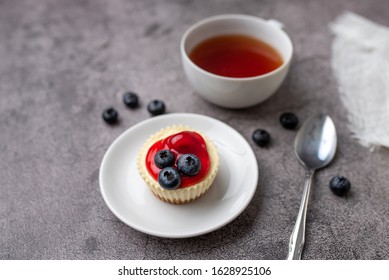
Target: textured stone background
63 62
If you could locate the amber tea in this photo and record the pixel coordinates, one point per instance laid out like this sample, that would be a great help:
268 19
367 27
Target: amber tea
236 56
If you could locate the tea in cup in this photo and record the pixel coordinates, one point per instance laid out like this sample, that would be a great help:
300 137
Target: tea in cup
236 61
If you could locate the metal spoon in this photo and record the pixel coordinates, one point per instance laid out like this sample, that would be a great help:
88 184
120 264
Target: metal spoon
315 147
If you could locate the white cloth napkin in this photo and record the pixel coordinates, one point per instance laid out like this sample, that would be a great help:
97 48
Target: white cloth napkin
360 61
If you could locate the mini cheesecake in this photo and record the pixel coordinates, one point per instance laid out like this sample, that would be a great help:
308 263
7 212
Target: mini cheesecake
181 141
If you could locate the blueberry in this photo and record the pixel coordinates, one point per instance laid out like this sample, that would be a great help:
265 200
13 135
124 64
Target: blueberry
169 178
110 115
131 99
261 137
189 164
340 185
164 158
289 120
156 107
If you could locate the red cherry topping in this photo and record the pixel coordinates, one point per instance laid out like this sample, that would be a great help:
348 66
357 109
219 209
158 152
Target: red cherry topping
185 142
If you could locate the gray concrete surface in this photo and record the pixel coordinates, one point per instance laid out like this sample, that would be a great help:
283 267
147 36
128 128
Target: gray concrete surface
63 62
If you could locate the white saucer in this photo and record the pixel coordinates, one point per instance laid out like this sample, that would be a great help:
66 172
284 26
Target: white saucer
130 199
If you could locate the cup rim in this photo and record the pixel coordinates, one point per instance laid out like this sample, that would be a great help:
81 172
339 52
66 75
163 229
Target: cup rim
234 16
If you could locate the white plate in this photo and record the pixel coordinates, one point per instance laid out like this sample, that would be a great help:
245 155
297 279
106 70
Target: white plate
129 198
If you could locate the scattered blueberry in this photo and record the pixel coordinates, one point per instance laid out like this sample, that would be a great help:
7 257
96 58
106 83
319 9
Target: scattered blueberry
261 137
169 178
340 185
156 107
131 99
110 115
189 164
289 120
164 158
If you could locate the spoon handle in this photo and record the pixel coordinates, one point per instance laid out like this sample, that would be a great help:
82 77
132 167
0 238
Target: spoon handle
297 239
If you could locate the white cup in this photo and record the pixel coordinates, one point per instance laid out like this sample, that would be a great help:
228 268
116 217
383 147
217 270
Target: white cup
236 92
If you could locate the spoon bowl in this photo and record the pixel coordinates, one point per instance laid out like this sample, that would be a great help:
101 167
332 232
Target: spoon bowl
315 147
315 143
